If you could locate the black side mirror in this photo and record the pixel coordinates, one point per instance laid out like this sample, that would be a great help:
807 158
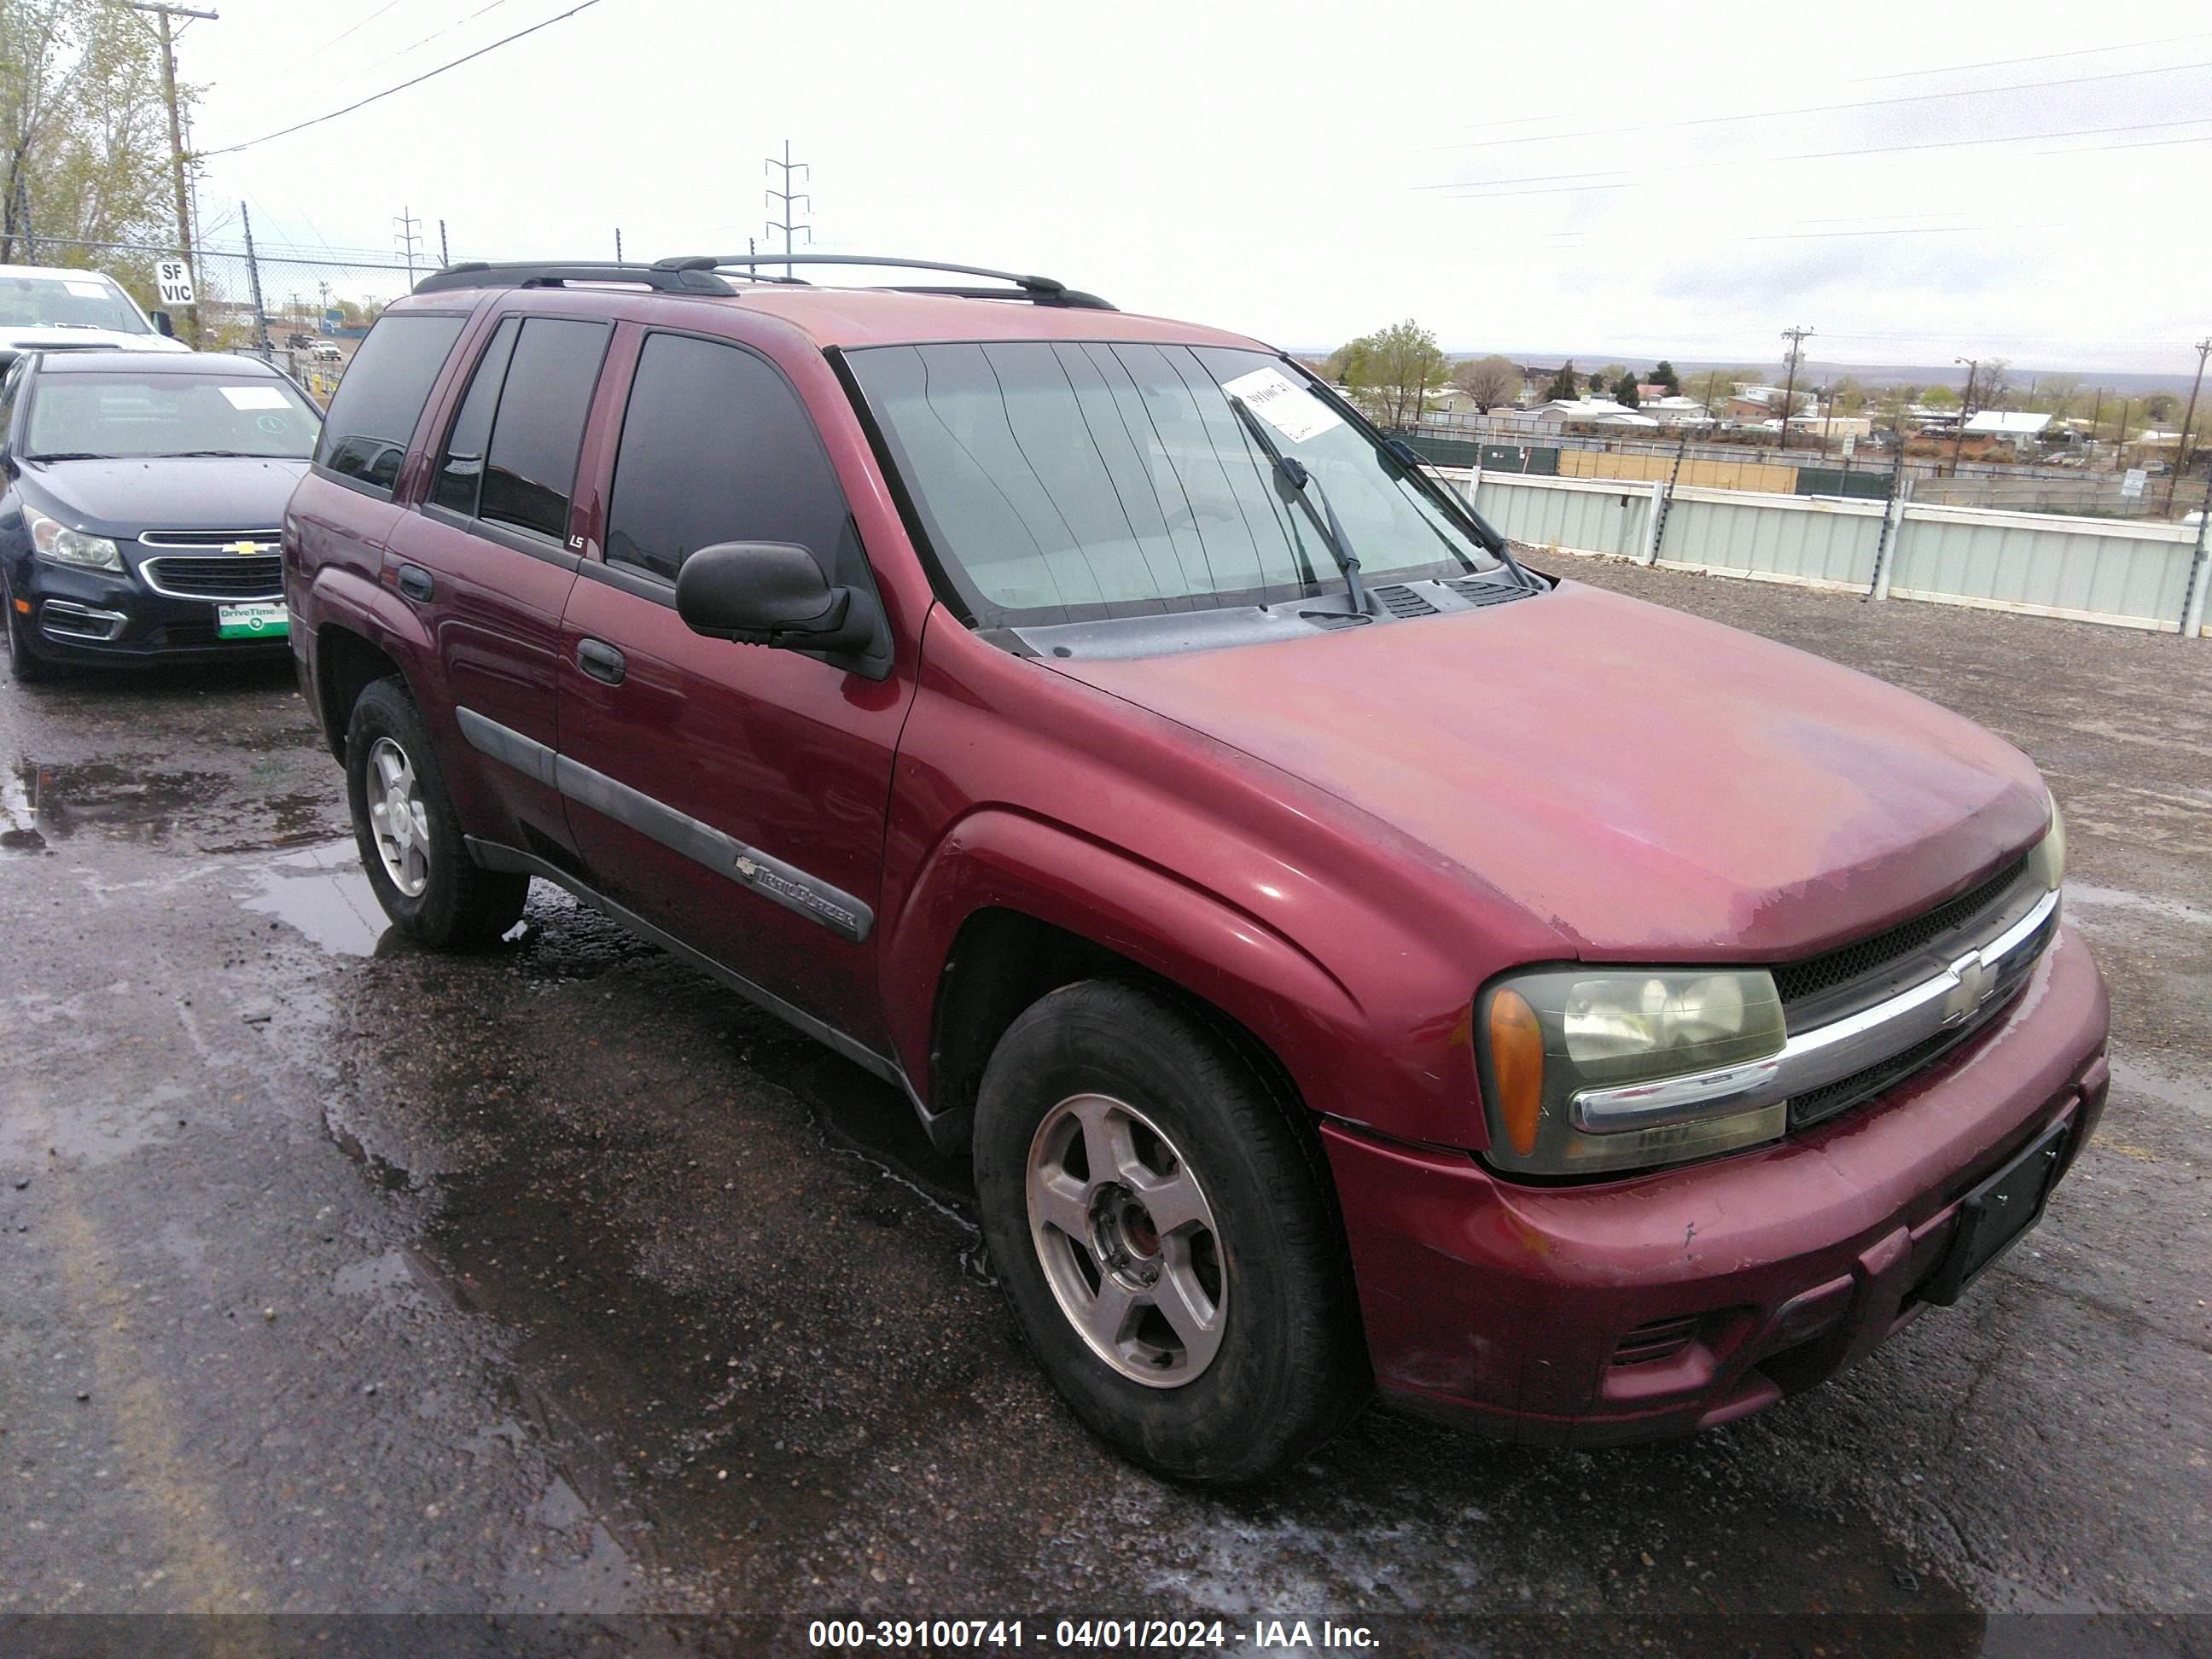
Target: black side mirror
772 593
162 325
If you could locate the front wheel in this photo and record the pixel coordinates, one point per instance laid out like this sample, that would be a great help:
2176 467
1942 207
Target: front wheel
410 840
1165 1236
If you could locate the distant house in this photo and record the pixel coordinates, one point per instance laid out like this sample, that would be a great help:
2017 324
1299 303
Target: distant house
1764 403
2014 429
1565 412
1674 409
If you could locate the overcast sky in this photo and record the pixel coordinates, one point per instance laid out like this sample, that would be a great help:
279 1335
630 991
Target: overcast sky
1608 180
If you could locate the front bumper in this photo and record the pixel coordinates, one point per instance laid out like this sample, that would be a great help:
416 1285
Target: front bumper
106 616
1676 1301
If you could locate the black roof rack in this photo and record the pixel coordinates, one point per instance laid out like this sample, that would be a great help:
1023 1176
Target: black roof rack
662 278
1039 291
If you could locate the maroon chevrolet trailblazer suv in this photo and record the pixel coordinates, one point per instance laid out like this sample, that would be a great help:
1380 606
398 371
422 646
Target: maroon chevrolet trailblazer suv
1351 959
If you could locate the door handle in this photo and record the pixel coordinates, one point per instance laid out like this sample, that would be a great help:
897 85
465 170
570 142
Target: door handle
601 661
415 583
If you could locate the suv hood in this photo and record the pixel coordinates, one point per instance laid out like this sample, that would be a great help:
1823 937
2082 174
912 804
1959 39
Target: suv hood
1649 784
200 492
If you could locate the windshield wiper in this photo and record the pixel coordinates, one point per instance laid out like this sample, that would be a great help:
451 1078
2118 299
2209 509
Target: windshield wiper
225 454
72 455
1295 474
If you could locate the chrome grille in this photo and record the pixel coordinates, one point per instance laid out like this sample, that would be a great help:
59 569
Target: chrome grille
219 576
216 539
1819 987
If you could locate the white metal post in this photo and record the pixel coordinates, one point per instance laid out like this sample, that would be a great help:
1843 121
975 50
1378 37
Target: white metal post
1651 522
2200 574
1893 529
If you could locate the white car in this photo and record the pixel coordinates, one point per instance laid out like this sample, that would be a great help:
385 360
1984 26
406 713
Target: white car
46 307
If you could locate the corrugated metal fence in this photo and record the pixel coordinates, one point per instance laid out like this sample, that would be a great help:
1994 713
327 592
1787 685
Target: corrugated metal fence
2131 574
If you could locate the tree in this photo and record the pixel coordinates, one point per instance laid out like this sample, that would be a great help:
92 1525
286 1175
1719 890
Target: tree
1390 372
2160 407
1940 396
1489 380
1664 374
1609 375
1626 392
83 130
2059 393
1563 383
1714 387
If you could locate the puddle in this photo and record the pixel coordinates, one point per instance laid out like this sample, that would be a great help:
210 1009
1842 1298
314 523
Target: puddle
321 892
42 802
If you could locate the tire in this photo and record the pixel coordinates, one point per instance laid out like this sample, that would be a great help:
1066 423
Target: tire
24 663
1263 1360
417 861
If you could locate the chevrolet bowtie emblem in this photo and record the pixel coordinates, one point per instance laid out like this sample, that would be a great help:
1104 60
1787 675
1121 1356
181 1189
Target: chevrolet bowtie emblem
243 547
1978 983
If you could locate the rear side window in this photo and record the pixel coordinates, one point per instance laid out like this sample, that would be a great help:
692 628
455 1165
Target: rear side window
530 467
374 413
717 447
460 470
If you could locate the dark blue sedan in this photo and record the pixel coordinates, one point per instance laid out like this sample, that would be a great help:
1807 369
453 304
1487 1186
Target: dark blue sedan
140 501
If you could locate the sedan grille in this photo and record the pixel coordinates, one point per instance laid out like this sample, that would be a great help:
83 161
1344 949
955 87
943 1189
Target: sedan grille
219 577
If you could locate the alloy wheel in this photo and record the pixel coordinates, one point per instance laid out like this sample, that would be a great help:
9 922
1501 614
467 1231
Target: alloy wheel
398 818
1127 1241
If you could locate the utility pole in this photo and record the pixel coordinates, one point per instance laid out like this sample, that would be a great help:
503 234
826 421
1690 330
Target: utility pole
253 282
163 34
617 244
2096 418
1965 407
444 257
786 196
1796 337
407 239
2181 448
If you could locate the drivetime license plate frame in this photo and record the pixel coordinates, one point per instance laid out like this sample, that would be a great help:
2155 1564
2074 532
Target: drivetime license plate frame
267 621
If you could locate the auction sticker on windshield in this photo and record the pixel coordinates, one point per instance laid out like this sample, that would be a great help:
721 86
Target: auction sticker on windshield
1283 403
251 622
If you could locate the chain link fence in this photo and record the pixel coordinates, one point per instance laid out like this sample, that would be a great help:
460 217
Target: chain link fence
1864 471
303 311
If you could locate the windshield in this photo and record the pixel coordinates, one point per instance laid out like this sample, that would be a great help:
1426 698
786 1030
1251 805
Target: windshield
87 301
137 416
1072 481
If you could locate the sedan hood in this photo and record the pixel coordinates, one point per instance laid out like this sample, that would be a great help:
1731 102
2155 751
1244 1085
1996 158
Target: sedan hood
206 492
1649 784
34 338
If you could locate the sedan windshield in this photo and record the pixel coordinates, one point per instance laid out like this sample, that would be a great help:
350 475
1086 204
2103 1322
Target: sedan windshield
1075 481
139 416
87 301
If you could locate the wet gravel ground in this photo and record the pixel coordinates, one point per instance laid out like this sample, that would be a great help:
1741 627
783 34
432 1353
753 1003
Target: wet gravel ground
339 1278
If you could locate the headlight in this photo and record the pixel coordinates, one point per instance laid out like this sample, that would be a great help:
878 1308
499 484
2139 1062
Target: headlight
2048 857
1549 1036
52 539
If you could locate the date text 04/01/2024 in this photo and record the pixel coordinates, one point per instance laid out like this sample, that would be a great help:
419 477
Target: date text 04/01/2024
1108 1635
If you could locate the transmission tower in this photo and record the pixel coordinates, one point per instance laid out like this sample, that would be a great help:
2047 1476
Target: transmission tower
786 197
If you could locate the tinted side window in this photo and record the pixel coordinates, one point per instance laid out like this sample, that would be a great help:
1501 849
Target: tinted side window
717 447
460 470
374 413
531 466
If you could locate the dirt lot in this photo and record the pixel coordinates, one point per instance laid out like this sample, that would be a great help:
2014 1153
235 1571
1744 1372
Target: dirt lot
338 1278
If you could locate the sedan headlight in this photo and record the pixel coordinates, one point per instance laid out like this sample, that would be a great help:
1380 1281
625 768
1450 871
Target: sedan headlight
52 539
1550 1036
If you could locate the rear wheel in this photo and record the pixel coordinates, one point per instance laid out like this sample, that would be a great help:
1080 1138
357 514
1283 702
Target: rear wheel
410 840
1164 1236
24 663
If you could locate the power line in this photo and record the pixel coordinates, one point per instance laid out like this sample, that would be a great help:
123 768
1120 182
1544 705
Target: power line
353 29
301 126
2037 57
1477 189
1828 109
